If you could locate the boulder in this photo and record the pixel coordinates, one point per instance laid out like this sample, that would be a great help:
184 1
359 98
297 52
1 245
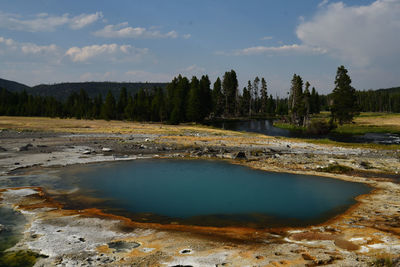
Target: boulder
241 155
25 147
106 149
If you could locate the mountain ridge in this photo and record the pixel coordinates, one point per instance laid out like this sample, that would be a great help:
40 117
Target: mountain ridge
62 90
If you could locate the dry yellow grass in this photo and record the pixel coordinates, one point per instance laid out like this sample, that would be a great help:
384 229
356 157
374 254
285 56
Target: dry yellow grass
102 126
387 120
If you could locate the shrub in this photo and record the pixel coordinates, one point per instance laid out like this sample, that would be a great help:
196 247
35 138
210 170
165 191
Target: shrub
336 168
320 127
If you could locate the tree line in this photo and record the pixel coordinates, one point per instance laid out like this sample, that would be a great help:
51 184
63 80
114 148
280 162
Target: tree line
302 104
378 101
183 100
197 99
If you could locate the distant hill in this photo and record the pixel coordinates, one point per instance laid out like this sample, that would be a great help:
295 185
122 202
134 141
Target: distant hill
13 86
62 90
392 90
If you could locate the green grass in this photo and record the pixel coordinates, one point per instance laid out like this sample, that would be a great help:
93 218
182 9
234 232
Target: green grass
19 258
288 126
356 129
336 168
366 122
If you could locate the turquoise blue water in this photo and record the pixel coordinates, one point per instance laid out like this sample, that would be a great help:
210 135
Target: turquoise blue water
12 225
213 192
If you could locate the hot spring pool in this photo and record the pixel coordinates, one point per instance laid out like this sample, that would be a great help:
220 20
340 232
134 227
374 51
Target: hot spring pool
212 193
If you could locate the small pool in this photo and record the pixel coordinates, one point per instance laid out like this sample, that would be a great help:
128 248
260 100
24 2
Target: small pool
213 193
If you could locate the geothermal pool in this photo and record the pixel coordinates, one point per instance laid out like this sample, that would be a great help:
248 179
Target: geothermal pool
213 193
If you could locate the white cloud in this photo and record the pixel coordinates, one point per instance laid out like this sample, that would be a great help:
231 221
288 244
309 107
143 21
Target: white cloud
83 20
192 70
11 47
187 36
144 76
267 38
111 52
123 30
44 22
257 50
323 3
30 48
361 35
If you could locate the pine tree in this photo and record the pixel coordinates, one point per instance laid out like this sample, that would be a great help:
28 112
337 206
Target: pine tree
129 111
194 112
122 102
109 110
158 112
343 107
230 89
250 99
205 96
246 100
306 104
264 96
296 104
218 98
256 105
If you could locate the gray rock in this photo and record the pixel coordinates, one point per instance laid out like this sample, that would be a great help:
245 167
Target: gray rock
2 149
241 155
25 147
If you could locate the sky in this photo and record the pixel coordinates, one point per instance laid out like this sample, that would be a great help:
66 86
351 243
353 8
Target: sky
52 41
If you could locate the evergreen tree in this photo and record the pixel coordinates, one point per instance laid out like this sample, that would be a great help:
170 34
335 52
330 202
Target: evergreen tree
250 92
218 98
194 112
313 101
296 104
343 107
246 100
264 96
158 112
271 106
256 105
141 106
230 89
306 104
205 96
129 111
98 102
122 102
109 110
179 100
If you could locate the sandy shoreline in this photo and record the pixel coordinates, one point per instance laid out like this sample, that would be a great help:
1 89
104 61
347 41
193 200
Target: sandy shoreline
367 231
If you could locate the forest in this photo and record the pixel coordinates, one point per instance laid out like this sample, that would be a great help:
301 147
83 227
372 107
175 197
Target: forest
196 99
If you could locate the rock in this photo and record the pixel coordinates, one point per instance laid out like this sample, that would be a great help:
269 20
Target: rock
241 155
1 228
25 147
87 152
2 149
106 149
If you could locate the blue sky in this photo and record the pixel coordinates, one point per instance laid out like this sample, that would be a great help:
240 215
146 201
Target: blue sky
48 41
